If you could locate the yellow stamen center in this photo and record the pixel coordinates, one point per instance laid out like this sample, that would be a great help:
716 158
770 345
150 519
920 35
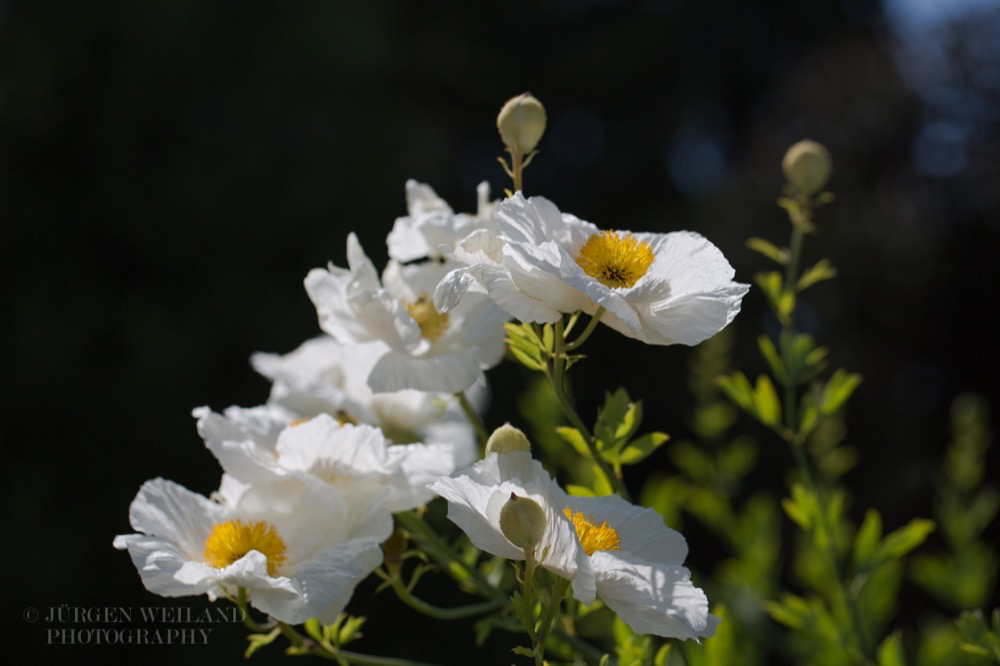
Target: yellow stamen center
593 537
615 260
231 540
432 323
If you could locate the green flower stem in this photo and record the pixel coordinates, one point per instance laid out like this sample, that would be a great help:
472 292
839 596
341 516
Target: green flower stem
527 587
315 649
559 387
801 221
342 656
438 613
434 546
241 601
591 325
551 612
473 417
517 169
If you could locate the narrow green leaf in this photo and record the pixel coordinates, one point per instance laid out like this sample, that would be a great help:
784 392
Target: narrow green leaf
770 283
769 250
869 534
766 402
838 389
773 358
314 629
641 447
574 438
737 388
906 538
526 359
823 270
890 652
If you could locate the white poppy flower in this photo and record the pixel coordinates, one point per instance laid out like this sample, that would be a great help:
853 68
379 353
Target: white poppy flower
476 497
637 563
662 289
326 376
287 544
356 459
431 223
424 349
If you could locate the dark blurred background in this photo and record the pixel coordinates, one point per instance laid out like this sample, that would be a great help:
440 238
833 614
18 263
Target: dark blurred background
169 172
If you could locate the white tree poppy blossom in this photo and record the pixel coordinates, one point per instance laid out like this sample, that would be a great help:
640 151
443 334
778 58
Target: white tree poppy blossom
287 544
432 224
424 349
607 547
637 563
325 376
476 497
356 459
662 289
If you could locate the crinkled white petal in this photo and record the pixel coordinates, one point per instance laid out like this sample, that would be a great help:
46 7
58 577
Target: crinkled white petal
530 269
448 371
324 560
432 229
651 598
641 530
477 495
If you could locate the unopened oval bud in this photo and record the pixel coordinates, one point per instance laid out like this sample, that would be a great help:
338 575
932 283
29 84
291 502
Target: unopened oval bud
522 521
506 439
521 123
807 166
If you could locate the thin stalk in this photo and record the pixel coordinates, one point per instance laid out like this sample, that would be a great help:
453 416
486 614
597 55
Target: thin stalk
442 552
474 419
336 654
551 611
559 387
591 325
798 441
439 613
517 168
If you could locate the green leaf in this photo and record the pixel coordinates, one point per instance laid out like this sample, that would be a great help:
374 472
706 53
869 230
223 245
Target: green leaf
869 535
890 652
574 438
770 283
579 491
906 538
350 630
640 448
523 651
770 354
766 402
737 388
548 337
257 641
769 250
611 418
823 270
838 389
314 629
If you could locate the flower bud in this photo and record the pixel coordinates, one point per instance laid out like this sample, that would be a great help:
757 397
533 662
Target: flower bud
522 521
521 123
506 439
807 166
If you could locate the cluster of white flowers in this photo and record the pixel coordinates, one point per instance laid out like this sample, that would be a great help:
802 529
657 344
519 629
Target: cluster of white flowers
363 421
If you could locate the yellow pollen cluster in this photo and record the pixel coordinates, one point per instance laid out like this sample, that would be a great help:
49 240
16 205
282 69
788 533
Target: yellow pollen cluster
613 260
593 537
231 540
432 323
